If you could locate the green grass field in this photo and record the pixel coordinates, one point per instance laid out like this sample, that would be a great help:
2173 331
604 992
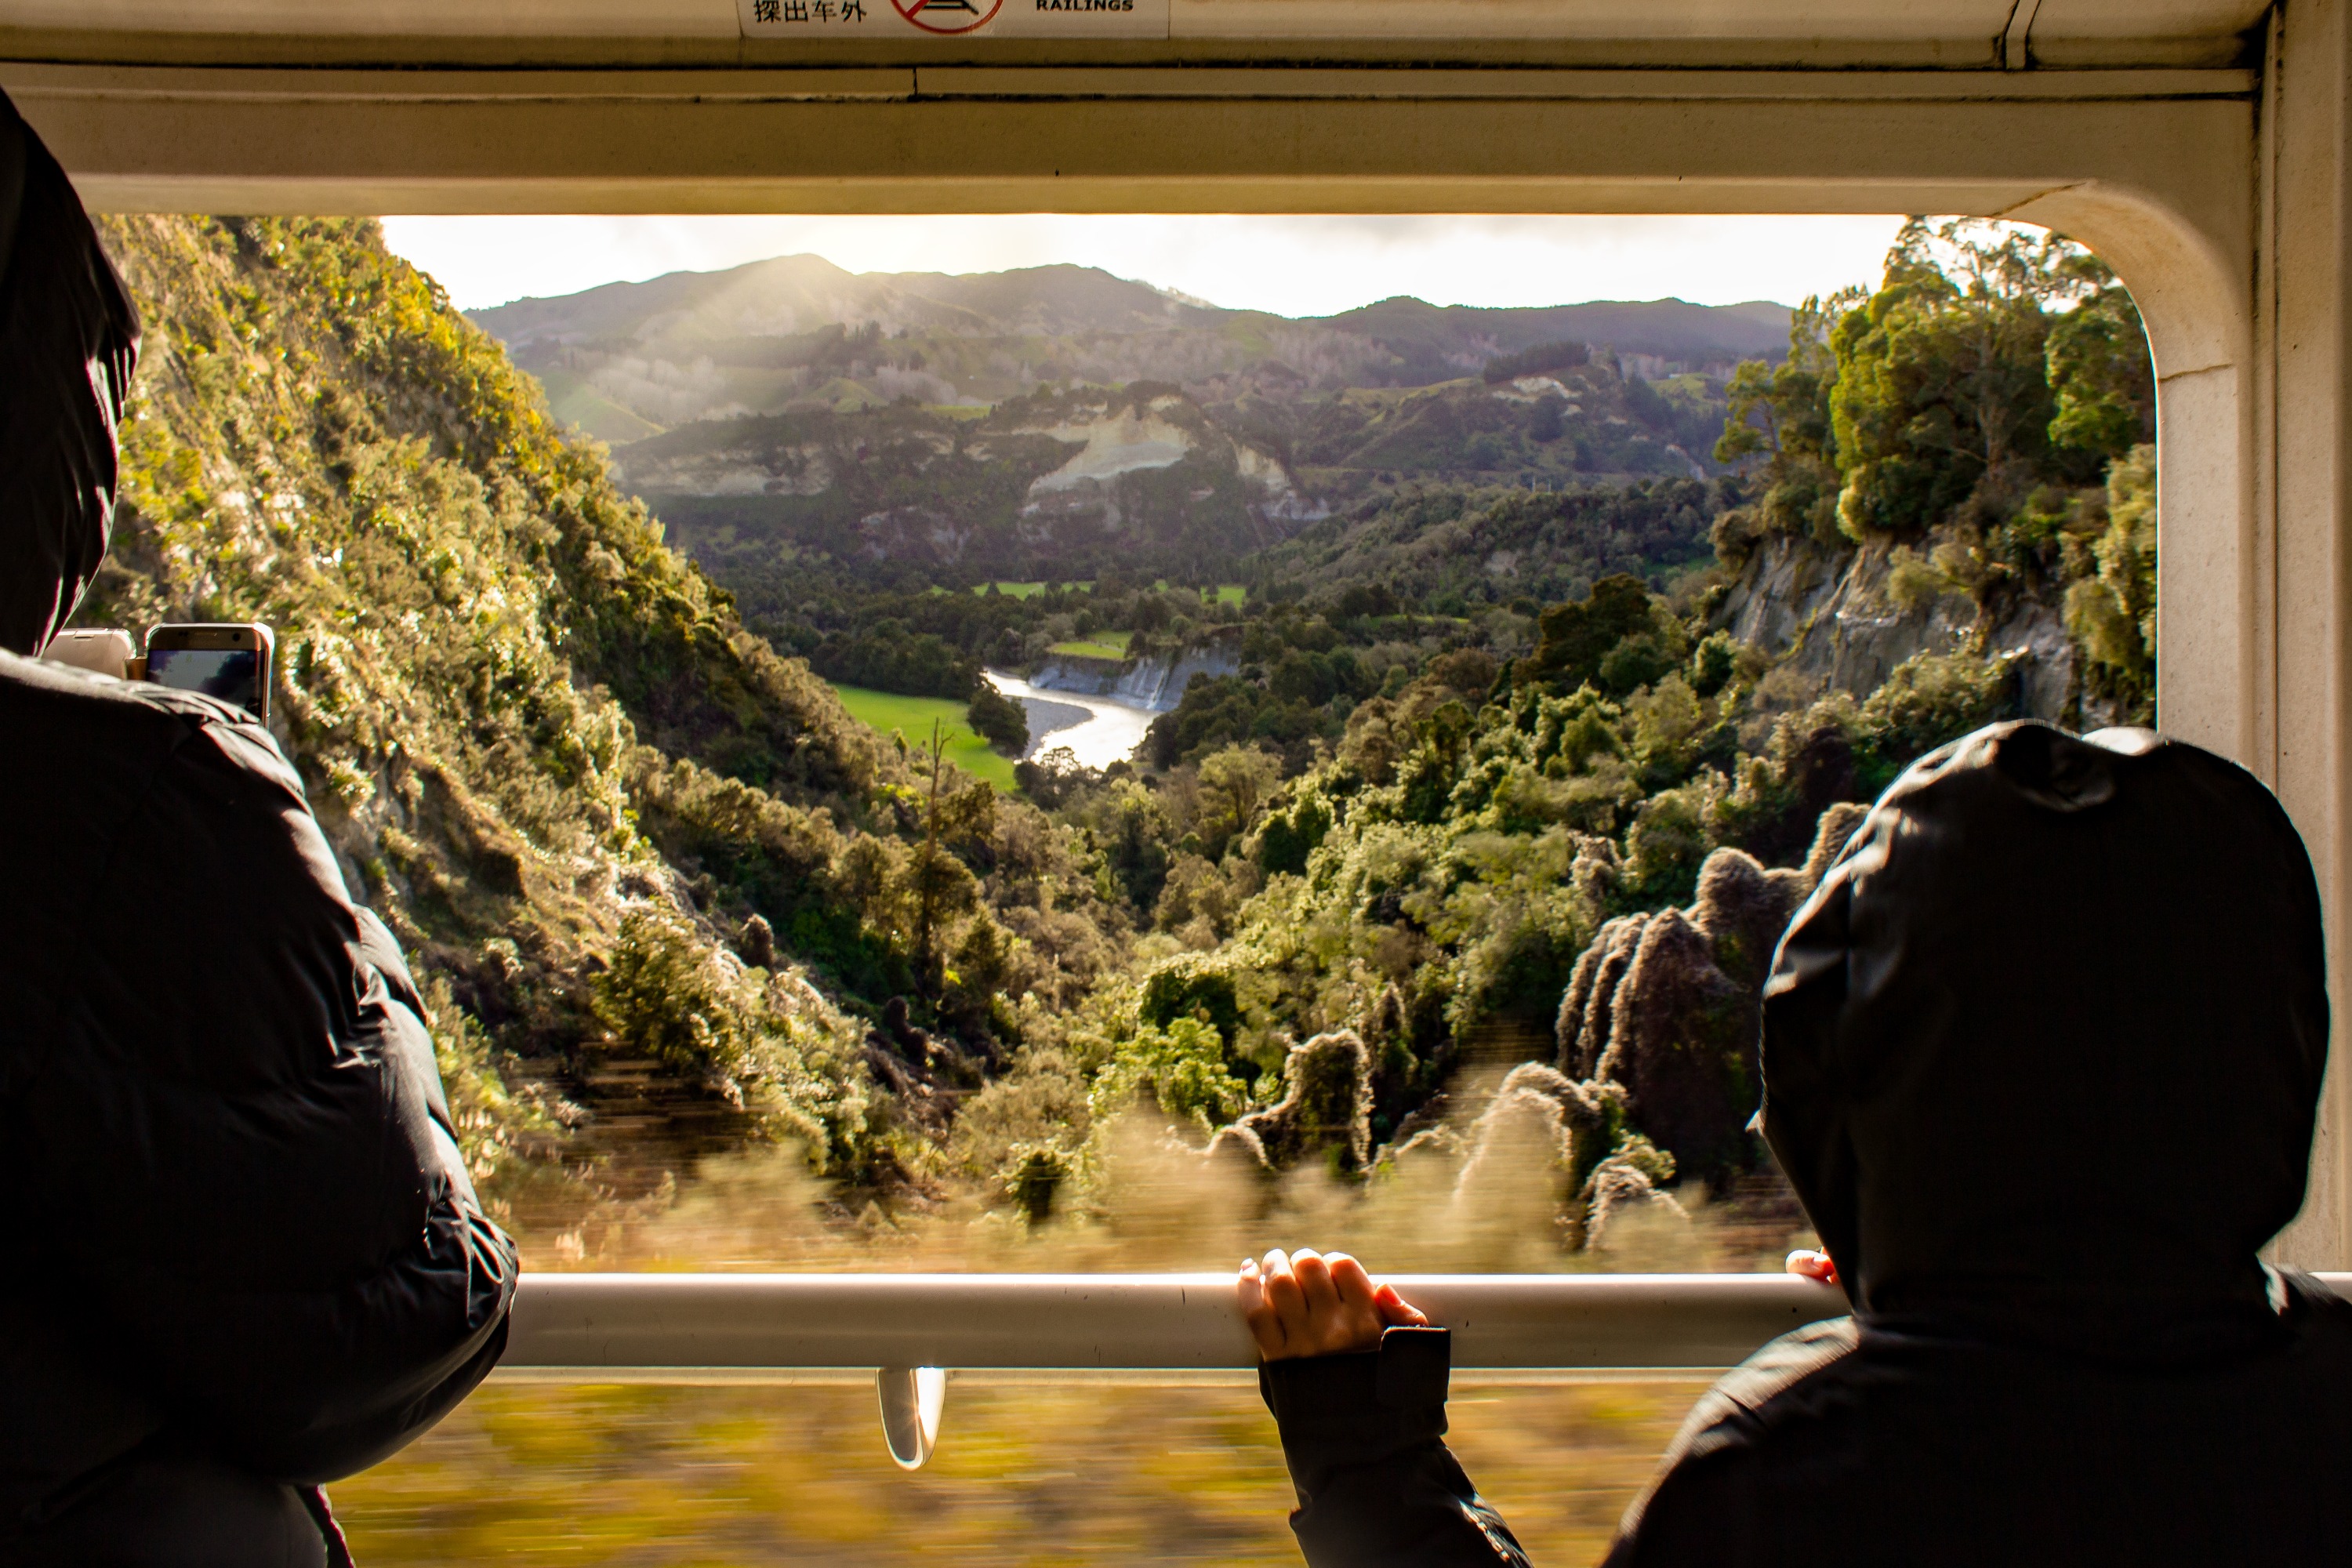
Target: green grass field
912 717
1026 590
1233 594
1098 644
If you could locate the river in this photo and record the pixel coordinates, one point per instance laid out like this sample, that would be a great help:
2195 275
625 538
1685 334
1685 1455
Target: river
1098 730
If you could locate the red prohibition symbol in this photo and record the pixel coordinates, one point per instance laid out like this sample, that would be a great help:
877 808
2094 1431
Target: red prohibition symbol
947 16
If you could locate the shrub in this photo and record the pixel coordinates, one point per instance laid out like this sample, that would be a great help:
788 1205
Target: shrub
1182 1068
1192 987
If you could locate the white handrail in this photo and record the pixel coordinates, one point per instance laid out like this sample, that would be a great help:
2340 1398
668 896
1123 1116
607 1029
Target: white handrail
651 1322
900 1328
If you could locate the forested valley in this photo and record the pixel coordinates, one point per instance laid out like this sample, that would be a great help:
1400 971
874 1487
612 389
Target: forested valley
1543 690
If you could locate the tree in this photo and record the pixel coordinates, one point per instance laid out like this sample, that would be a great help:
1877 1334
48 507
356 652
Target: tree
1781 413
1943 409
1240 779
1577 638
1001 721
2103 378
1546 421
2112 615
941 887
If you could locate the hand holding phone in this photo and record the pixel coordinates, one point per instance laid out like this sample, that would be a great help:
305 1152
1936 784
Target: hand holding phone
230 660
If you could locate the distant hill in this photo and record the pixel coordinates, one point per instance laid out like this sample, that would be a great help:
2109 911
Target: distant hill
1056 420
627 359
1437 342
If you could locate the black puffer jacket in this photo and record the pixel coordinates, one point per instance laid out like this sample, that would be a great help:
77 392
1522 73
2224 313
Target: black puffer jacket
245 1256
2042 1055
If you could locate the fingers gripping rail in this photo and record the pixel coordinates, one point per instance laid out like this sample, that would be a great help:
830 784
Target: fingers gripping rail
694 1328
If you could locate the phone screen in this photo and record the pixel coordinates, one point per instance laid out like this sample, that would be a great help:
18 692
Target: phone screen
231 674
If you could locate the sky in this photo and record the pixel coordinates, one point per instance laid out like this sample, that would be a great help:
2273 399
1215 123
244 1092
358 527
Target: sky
1294 266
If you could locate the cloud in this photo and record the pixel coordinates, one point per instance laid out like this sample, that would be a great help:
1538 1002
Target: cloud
1296 265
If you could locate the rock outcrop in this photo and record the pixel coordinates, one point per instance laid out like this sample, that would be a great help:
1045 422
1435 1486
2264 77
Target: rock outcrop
1840 616
1155 681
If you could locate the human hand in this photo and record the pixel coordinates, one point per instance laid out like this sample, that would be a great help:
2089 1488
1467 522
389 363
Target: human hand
1814 1265
1306 1304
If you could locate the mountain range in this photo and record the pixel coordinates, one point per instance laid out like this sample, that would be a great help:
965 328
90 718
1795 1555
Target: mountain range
1053 420
627 359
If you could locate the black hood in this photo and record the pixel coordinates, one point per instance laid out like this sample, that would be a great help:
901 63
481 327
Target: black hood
2046 1044
68 337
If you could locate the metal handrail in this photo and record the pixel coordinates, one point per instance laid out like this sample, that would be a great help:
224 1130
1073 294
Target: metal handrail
905 1330
901 1329
589 1323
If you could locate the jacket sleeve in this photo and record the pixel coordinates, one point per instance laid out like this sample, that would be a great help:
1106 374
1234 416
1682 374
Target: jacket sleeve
250 1186
1364 1436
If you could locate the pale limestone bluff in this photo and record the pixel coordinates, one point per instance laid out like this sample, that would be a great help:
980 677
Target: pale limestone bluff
1529 388
1119 444
1155 681
1832 612
1114 439
1284 502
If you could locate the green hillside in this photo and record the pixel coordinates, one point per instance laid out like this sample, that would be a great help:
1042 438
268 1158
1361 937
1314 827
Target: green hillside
653 875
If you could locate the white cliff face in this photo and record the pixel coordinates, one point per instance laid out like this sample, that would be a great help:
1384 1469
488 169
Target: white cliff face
1155 683
1120 443
1089 465
1131 439
1831 611
1529 388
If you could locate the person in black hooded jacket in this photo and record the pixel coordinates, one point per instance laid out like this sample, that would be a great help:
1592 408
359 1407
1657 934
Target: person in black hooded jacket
246 1259
2042 1056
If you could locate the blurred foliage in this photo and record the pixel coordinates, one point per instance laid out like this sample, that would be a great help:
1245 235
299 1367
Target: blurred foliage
701 1014
606 1476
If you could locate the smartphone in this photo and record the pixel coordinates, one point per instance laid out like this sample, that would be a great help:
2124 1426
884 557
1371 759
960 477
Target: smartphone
228 660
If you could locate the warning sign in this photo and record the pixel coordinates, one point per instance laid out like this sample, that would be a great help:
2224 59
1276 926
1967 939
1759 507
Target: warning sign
948 15
953 18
